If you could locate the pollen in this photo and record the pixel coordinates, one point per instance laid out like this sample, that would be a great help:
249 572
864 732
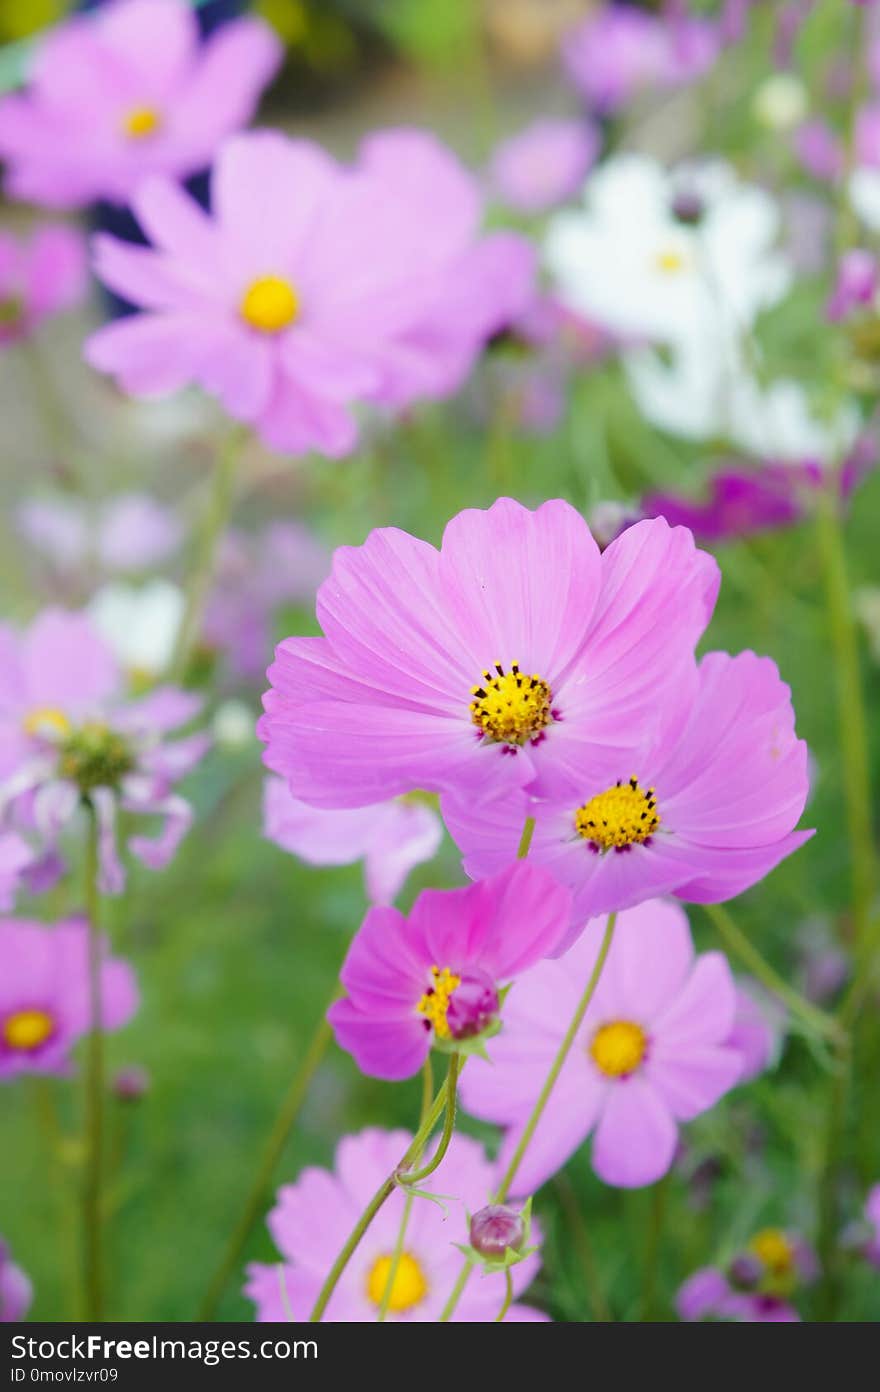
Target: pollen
618 1048
773 1250
623 816
46 722
511 708
408 1288
27 1029
141 122
270 304
434 1004
670 262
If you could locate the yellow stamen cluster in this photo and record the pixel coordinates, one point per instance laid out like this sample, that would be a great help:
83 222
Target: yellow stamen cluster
618 1048
670 262
435 1002
141 122
270 304
511 707
27 1029
408 1288
773 1250
46 722
625 815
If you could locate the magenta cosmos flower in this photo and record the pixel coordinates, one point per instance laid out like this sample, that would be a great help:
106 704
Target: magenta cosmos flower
544 164
67 733
268 304
313 1218
129 92
703 810
39 278
44 994
436 977
513 654
16 1291
391 838
652 1051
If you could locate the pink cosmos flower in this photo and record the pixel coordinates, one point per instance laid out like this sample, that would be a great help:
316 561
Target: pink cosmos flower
757 1284
619 52
44 994
314 1216
652 1051
708 1295
436 977
131 532
758 1027
16 1291
275 305
39 278
15 858
512 654
544 164
68 733
391 838
872 1217
126 93
703 810
857 283
819 149
284 563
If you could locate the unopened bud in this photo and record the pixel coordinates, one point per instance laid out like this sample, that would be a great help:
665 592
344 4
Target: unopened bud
495 1228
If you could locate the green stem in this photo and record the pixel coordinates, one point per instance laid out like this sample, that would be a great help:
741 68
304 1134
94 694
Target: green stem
436 1160
94 1094
736 942
537 1112
213 527
427 1095
599 1305
652 1247
283 1125
382 1194
525 840
508 1297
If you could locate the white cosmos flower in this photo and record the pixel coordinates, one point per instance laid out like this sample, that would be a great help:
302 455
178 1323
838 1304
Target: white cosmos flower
864 194
703 398
140 623
683 257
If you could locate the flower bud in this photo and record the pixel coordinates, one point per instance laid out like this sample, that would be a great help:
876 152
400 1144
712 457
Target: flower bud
495 1228
473 1005
131 1083
746 1272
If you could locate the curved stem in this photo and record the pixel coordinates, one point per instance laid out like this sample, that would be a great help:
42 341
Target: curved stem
382 1194
436 1160
427 1095
736 942
537 1112
278 1136
508 1297
213 527
94 1084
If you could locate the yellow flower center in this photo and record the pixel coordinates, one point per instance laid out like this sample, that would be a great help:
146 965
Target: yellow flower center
511 707
46 722
618 1048
270 304
408 1288
435 1002
773 1249
670 262
27 1029
141 122
625 815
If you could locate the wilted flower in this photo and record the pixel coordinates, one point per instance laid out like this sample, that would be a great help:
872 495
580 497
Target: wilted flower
499 661
127 93
544 164
39 278
391 838
652 1051
69 735
44 994
314 1217
437 976
16 1291
262 304
705 809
